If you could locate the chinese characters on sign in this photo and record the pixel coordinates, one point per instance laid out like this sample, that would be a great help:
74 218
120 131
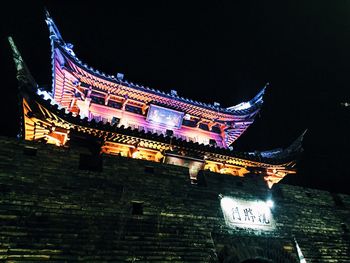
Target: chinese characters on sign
164 116
247 214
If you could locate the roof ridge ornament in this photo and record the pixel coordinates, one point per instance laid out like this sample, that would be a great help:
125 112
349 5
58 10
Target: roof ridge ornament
294 148
248 104
23 74
55 34
260 95
297 146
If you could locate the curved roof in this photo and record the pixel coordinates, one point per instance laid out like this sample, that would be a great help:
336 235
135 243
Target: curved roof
48 114
284 158
242 109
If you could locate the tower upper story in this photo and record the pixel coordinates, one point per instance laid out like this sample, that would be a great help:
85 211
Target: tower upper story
87 92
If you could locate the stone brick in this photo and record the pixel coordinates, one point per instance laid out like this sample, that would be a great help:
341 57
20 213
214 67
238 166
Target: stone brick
50 210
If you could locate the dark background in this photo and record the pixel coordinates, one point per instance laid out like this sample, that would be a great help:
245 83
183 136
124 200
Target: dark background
211 51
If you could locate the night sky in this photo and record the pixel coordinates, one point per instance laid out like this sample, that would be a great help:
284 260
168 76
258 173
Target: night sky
212 52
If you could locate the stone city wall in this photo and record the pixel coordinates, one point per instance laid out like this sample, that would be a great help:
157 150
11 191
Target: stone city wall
63 205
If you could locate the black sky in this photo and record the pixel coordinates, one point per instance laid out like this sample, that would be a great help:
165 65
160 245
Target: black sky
211 51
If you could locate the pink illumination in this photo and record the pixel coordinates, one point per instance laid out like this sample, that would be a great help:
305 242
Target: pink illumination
140 122
74 84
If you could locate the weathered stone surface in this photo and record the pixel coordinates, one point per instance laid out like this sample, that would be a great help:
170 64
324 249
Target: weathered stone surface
50 210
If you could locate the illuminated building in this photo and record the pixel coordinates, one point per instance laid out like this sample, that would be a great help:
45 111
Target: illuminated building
131 120
109 192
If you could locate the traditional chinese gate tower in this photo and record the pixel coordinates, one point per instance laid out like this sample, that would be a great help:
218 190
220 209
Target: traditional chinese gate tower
122 118
107 192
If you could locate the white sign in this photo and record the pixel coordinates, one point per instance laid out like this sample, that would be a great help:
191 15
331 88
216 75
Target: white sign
247 214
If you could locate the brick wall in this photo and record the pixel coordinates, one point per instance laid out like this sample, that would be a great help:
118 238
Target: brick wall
57 205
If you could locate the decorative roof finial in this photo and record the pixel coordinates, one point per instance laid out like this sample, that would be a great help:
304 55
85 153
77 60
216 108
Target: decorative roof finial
55 34
259 96
293 149
297 145
246 105
23 74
